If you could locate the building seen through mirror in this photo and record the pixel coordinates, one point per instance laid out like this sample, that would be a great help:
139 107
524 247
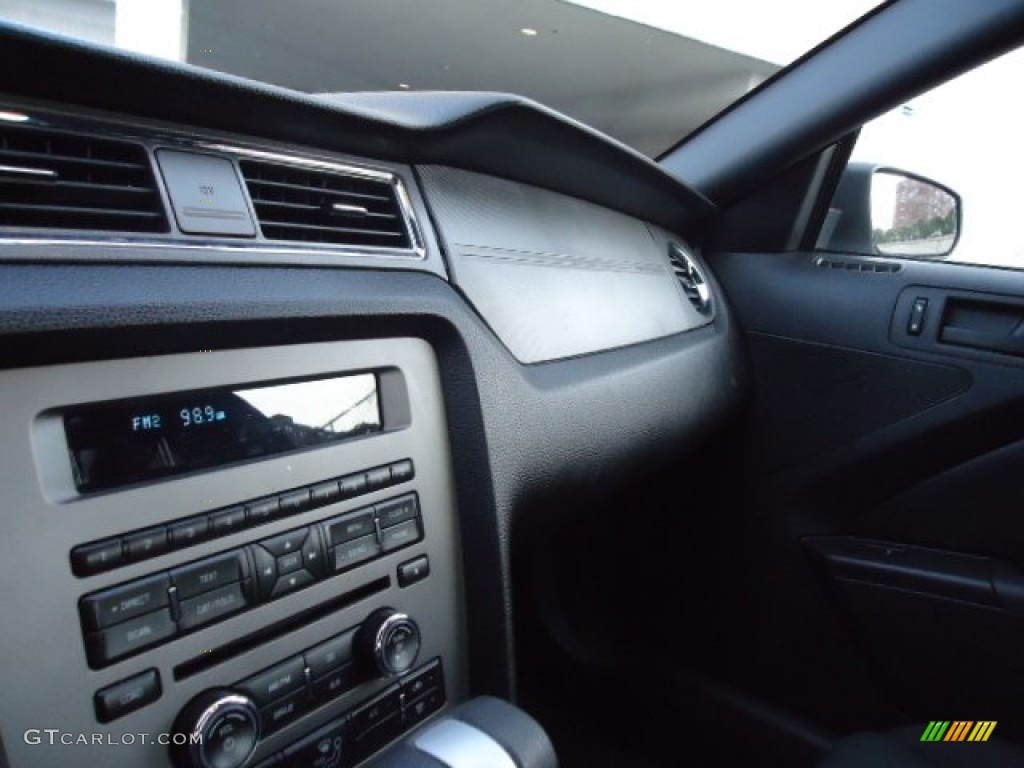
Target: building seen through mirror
911 216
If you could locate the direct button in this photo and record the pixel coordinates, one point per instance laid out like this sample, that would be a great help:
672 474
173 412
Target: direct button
211 573
397 511
280 680
348 527
399 536
119 699
211 606
112 606
128 637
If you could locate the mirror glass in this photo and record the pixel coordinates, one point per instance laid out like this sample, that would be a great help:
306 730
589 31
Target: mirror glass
912 216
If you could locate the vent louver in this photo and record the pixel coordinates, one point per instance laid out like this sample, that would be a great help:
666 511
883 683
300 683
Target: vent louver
54 180
314 206
690 277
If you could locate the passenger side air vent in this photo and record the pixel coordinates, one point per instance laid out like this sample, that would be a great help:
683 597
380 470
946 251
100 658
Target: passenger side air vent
55 180
315 206
690 277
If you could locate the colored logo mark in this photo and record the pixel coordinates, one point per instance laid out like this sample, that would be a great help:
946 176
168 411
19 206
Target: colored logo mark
958 730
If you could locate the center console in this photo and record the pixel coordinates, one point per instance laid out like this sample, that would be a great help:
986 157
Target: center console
226 558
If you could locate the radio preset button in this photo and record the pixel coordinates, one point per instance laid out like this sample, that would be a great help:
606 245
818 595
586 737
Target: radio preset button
227 521
280 680
378 478
294 501
261 510
96 557
351 526
397 510
325 493
209 574
121 698
185 533
148 543
128 637
352 485
352 553
285 543
402 471
211 606
112 606
399 536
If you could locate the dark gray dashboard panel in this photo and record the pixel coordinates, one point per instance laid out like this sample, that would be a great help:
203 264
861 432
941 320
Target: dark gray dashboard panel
568 429
554 276
44 518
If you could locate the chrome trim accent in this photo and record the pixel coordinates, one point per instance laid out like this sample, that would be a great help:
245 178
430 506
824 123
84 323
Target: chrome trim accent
689 274
210 245
230 702
380 639
307 162
20 170
184 138
346 209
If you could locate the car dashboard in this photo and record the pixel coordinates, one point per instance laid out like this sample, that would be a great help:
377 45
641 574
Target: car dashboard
196 521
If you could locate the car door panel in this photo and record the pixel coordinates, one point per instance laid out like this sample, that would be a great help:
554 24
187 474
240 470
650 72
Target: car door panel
894 458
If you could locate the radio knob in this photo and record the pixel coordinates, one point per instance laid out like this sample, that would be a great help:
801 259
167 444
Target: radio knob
389 641
220 729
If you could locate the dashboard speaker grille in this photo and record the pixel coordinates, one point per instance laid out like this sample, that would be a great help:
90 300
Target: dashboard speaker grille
690 278
324 207
55 180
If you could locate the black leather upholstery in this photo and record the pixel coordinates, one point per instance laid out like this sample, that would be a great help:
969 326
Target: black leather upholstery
903 749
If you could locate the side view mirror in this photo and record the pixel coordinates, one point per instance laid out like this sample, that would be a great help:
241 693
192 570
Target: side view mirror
885 211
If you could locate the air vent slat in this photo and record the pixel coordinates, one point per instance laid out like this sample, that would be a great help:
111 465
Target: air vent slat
313 209
321 206
691 279
55 180
317 190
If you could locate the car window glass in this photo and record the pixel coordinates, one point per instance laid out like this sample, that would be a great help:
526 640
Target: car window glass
965 136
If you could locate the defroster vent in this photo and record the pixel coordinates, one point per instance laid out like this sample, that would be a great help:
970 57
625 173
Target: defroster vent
316 206
55 180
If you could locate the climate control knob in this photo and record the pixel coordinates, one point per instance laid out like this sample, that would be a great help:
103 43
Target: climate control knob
219 728
389 641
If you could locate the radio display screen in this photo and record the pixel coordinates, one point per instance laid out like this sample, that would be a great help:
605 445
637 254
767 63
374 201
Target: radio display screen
123 442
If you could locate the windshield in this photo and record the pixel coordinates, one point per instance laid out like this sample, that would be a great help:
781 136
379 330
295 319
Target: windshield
646 72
